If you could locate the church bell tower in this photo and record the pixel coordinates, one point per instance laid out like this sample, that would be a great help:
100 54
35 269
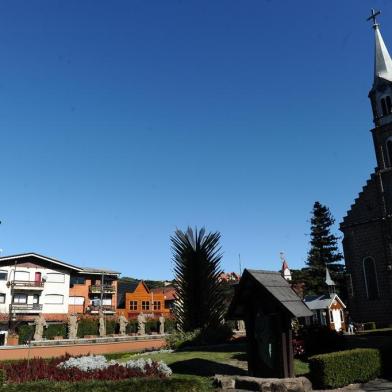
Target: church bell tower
367 226
381 98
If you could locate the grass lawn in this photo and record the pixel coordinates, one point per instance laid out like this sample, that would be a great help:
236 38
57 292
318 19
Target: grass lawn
204 364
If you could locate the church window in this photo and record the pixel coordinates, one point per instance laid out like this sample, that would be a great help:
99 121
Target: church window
389 104
371 284
383 107
389 150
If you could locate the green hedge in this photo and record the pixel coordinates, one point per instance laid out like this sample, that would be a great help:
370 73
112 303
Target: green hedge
132 326
172 384
111 327
88 326
2 377
26 333
55 330
341 368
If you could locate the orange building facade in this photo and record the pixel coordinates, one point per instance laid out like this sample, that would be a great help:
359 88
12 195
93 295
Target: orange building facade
140 299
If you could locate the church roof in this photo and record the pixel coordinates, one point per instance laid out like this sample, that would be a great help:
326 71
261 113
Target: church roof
382 59
315 302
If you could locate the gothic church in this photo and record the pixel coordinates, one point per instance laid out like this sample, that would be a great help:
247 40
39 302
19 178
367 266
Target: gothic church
367 227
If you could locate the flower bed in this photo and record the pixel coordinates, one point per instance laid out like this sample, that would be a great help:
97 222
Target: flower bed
82 368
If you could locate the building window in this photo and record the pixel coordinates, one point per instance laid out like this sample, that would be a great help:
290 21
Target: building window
35 299
132 305
389 104
371 284
2 298
383 107
145 305
77 280
3 275
157 305
341 315
54 299
330 316
20 299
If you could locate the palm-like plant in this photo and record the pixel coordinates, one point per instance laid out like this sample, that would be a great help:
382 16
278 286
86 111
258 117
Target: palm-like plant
197 257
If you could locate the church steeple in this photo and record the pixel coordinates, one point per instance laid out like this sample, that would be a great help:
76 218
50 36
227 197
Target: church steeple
381 93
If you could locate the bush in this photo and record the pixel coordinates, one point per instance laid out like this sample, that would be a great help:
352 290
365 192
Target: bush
55 330
200 337
132 326
111 327
338 369
26 333
135 384
88 326
369 326
2 377
181 339
321 340
152 326
170 325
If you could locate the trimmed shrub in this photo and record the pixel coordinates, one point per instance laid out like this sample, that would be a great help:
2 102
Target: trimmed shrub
88 326
170 325
26 333
111 327
152 326
338 369
321 340
132 326
55 330
181 339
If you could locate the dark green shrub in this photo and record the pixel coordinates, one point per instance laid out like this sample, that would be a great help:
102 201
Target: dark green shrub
2 377
178 340
26 333
170 325
321 340
111 327
132 326
152 326
88 326
55 330
369 326
338 369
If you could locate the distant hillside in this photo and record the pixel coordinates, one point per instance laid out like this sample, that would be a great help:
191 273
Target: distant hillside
151 284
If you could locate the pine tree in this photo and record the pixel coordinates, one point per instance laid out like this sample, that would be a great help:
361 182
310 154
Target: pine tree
324 250
197 256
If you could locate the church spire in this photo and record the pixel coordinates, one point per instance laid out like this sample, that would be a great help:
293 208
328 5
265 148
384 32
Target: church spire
381 93
382 59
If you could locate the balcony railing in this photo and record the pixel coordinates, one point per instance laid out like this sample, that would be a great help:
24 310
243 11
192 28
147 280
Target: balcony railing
105 309
106 288
31 284
29 308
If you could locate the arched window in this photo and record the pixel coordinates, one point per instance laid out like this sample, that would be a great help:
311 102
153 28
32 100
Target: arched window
383 107
371 284
389 104
389 151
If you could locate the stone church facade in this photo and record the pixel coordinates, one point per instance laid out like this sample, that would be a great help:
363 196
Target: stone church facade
367 227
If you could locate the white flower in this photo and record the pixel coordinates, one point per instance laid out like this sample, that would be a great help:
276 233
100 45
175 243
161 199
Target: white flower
99 362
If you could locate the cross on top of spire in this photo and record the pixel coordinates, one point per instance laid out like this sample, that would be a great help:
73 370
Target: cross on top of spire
373 17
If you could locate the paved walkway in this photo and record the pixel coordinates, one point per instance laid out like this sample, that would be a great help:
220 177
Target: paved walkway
372 386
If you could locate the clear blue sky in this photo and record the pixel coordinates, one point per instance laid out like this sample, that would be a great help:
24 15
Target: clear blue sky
122 120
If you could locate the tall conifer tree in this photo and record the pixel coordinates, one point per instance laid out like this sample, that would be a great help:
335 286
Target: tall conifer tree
324 250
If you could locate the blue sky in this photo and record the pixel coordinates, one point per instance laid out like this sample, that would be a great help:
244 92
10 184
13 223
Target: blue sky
122 120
